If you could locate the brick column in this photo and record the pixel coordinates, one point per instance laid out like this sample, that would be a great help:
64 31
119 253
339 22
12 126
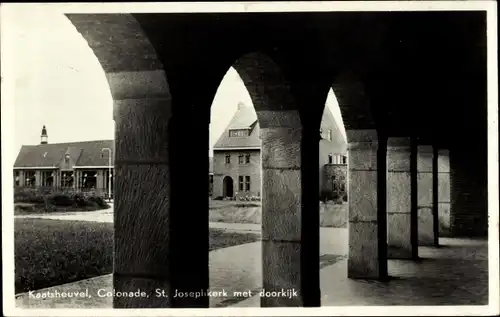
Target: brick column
22 178
400 222
367 221
76 181
38 178
426 234
444 190
290 215
469 201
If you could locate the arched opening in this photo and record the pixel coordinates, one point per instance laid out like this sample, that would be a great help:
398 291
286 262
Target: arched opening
242 121
63 118
235 203
228 190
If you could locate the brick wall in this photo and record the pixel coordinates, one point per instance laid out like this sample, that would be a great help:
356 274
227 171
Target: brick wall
469 207
234 170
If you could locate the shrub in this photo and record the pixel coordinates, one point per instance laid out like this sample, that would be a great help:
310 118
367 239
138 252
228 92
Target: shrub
98 200
61 200
46 200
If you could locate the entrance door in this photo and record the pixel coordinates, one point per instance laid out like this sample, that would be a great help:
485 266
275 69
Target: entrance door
228 186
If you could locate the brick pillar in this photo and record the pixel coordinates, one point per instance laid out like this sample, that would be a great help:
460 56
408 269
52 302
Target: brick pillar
57 179
426 234
76 183
38 178
290 213
367 220
444 190
469 202
22 178
400 221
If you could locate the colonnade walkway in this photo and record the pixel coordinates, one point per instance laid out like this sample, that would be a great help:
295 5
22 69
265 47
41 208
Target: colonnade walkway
456 273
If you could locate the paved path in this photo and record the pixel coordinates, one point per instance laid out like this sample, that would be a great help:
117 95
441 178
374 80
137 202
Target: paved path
236 268
455 273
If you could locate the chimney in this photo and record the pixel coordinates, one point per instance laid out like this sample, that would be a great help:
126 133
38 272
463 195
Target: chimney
44 137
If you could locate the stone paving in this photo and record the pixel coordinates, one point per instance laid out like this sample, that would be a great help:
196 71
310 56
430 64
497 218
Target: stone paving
454 274
236 268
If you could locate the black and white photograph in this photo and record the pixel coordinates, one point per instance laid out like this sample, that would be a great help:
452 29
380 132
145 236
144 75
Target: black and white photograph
157 158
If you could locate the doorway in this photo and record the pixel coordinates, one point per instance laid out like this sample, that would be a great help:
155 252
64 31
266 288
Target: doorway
228 187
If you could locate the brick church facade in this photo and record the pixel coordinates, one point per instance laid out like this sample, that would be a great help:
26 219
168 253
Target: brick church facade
237 160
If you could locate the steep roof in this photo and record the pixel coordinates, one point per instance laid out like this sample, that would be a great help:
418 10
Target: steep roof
244 118
86 153
329 122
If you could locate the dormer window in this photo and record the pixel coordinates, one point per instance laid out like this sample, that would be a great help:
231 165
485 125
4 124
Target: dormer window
66 158
238 133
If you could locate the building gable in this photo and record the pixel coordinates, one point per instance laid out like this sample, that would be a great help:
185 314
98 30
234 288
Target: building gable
242 131
87 153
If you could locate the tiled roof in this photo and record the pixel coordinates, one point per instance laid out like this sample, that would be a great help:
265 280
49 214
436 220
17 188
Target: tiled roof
244 118
86 153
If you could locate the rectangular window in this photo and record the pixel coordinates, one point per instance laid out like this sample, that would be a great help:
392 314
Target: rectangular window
247 158
88 179
330 159
241 159
329 135
30 180
240 181
47 178
67 179
344 159
228 158
238 133
247 183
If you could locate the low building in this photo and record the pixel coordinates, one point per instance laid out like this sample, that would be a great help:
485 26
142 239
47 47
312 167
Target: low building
80 166
237 161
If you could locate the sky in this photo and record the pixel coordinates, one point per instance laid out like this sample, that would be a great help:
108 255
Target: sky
58 82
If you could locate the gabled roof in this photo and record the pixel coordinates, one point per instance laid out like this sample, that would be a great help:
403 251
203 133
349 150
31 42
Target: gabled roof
86 153
329 122
244 118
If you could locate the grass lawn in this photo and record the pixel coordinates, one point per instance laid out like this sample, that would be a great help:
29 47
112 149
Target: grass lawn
52 252
228 211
